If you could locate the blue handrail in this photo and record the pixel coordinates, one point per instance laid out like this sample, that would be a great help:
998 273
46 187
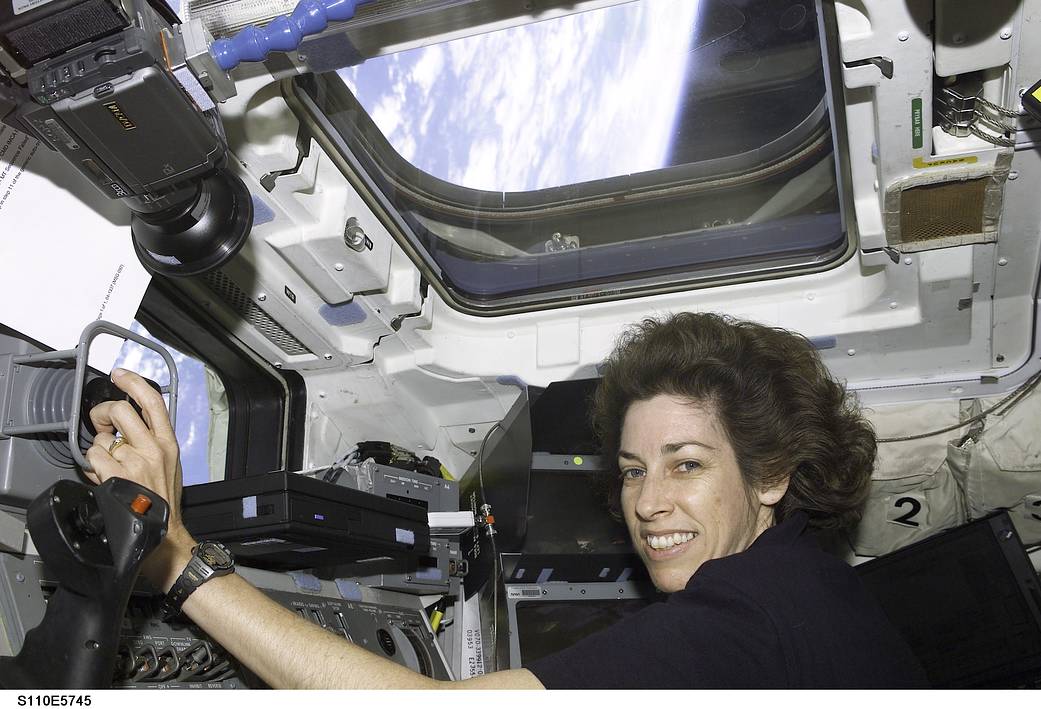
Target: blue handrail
283 34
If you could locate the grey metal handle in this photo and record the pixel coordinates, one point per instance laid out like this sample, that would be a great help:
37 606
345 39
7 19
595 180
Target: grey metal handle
80 355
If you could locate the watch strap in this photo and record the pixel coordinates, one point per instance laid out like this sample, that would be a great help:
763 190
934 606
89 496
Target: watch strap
177 595
196 573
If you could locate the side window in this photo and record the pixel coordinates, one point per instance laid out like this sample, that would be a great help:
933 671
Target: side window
201 406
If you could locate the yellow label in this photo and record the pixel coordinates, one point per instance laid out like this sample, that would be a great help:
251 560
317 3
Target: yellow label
1037 93
920 163
118 114
577 460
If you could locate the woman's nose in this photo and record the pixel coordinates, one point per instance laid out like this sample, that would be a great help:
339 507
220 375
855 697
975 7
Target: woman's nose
654 498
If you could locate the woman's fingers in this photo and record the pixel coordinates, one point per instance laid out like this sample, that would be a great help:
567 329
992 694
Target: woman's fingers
120 416
148 454
104 465
125 461
153 408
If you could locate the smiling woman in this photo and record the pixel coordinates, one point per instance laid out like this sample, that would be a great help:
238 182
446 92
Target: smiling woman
683 495
732 442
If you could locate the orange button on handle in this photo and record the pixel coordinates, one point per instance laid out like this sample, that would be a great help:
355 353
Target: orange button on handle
141 504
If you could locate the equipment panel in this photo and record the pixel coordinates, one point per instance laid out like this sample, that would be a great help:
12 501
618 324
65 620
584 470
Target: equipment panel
154 654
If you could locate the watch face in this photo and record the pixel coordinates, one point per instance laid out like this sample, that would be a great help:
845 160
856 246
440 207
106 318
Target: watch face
215 555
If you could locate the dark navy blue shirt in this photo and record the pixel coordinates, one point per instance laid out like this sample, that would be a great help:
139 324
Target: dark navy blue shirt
782 613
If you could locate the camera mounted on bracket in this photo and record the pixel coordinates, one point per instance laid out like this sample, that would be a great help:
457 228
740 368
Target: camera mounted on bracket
126 93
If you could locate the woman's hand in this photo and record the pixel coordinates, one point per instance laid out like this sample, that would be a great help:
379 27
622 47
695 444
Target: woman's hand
147 455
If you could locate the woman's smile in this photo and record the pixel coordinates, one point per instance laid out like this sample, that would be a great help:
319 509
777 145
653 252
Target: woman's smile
665 545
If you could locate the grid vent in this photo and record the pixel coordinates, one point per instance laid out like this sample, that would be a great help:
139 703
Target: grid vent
225 289
942 210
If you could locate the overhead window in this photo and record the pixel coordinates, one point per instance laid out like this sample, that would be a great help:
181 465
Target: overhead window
642 146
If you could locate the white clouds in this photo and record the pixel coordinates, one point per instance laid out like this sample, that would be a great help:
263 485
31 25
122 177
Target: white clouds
428 68
483 167
388 116
573 99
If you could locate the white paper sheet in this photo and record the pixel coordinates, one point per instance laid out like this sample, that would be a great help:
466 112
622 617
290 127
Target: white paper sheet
66 258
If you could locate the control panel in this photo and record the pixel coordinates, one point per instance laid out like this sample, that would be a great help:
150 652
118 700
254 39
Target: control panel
154 654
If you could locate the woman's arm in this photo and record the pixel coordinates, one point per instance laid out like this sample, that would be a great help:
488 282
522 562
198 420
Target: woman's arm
280 647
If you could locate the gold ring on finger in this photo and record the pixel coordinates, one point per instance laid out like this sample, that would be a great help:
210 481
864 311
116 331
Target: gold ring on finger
116 444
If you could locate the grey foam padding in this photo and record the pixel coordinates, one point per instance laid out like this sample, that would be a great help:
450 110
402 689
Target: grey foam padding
25 471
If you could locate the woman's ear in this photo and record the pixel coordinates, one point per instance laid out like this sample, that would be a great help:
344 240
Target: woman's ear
770 496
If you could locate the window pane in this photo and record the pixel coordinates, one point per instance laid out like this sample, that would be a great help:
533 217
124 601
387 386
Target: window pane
193 403
497 112
650 142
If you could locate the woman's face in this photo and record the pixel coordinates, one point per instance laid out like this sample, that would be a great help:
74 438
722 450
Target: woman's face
683 496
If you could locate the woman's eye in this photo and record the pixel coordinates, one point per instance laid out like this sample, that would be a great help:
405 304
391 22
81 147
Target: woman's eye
690 466
632 474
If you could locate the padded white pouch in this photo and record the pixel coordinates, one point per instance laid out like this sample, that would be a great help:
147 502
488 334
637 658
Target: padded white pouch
913 493
1002 468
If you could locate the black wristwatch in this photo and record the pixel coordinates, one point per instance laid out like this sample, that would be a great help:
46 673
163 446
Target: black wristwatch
209 560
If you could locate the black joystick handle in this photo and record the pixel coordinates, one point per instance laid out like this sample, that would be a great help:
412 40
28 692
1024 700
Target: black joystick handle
92 540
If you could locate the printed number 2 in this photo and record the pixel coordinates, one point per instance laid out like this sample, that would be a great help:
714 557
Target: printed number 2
908 517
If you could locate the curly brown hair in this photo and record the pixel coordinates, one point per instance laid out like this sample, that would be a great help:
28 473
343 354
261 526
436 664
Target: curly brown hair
783 413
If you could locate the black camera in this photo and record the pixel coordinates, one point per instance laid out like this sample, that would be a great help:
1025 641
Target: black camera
125 92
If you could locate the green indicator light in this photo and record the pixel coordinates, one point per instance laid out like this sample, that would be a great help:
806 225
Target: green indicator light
577 460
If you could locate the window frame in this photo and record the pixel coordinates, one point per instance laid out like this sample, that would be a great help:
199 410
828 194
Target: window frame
265 406
585 195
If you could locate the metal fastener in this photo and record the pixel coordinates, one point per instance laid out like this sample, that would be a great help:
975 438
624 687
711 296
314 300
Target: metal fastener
353 235
851 351
338 266
19 577
893 305
262 297
1014 175
908 261
1006 33
903 36
327 357
1002 261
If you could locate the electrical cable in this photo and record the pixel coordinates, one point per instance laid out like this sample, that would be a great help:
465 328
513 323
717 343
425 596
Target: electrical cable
1019 392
